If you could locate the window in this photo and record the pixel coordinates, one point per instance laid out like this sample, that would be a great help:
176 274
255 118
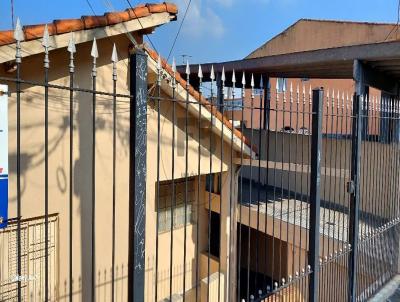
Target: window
213 183
168 198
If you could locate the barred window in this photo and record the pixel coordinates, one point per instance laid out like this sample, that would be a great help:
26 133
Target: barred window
176 198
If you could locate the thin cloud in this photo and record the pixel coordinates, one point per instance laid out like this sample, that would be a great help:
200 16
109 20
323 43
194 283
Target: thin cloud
201 19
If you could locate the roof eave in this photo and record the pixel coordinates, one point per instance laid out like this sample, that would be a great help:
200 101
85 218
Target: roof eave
33 47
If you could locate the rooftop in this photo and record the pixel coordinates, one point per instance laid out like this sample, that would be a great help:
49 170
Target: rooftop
62 26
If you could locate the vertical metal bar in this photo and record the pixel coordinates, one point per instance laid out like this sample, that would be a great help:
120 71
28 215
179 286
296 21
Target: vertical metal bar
173 201
158 172
186 178
243 94
315 183
221 99
94 54
212 77
231 189
250 190
137 175
199 125
114 78
72 50
46 162
267 108
260 104
19 36
355 195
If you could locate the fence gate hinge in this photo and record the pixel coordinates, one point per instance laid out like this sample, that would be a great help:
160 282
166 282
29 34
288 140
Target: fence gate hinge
350 187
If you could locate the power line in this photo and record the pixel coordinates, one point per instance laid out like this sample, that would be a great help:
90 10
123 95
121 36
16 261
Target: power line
397 24
133 10
12 14
91 7
179 30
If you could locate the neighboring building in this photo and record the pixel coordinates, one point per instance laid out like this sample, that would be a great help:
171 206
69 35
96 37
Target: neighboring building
308 35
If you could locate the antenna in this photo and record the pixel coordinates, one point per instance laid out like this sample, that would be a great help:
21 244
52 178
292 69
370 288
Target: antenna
185 58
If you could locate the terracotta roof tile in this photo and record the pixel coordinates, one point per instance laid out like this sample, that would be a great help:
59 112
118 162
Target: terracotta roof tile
68 25
94 21
32 32
196 95
89 22
138 12
6 37
157 8
117 17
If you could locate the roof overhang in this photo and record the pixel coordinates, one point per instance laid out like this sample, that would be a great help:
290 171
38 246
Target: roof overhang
382 59
219 127
32 47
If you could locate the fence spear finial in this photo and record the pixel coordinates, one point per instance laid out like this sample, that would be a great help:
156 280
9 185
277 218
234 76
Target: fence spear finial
158 64
187 68
46 45
173 65
243 80
71 49
46 38
200 73
114 55
223 75
95 54
174 72
212 74
18 36
233 77
114 60
71 44
18 33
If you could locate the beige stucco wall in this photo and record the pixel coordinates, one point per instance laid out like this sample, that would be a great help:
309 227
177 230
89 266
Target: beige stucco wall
32 166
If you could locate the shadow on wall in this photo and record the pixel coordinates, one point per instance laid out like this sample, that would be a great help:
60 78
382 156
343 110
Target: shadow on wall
103 286
34 157
163 280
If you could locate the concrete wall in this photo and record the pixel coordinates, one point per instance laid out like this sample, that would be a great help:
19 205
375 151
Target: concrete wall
325 34
379 181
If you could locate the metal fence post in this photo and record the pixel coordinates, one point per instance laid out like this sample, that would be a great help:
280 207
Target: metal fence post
354 190
137 175
315 182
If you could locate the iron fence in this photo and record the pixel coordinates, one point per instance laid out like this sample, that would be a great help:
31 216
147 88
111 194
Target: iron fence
239 193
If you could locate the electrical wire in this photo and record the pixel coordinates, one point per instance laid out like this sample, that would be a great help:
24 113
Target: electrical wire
396 26
179 30
12 14
133 11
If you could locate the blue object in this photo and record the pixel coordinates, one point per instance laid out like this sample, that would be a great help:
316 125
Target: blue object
3 201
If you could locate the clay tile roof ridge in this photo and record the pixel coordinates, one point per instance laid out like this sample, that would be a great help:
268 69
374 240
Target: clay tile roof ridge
61 26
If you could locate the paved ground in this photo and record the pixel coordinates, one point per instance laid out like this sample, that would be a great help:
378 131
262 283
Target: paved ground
389 293
296 210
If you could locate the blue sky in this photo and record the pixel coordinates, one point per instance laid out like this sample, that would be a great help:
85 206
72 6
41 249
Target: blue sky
214 30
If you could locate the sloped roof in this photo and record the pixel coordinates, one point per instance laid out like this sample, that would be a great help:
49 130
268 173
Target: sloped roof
198 97
62 26
314 34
